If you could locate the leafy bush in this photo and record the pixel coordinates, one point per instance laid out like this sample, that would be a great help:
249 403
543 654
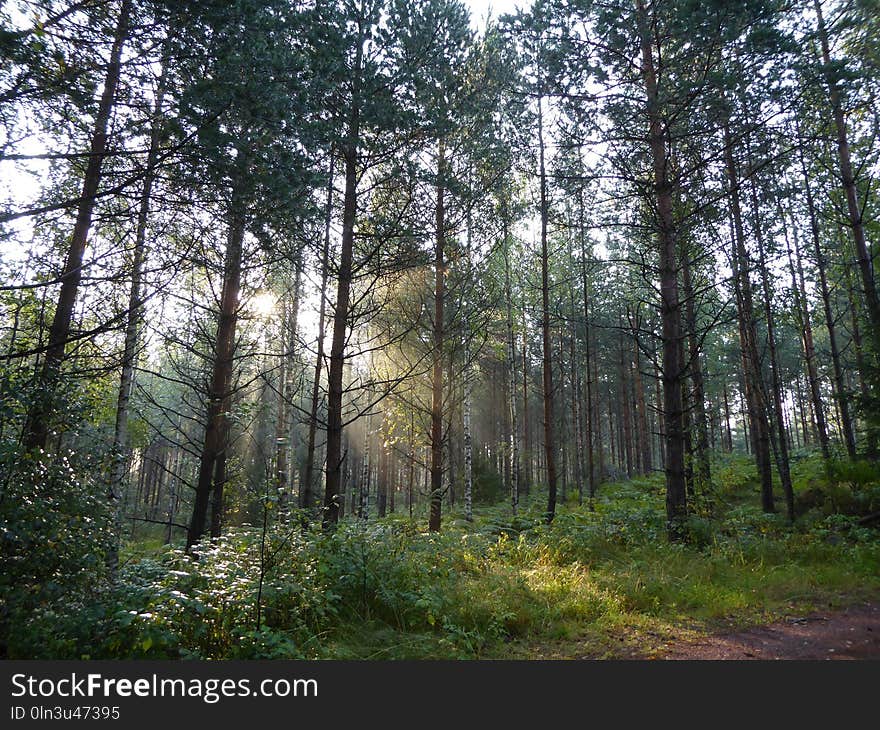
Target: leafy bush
856 474
55 533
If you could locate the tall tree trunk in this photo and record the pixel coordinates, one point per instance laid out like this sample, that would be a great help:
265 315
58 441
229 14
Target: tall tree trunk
840 392
848 182
687 427
436 499
395 481
382 478
576 399
505 446
727 429
527 443
626 408
802 411
661 433
36 430
613 454
284 445
646 466
511 372
744 410
290 387
759 426
281 418
840 389
343 294
466 405
676 494
121 451
703 471
864 391
588 353
449 437
782 461
212 461
364 493
218 486
547 356
807 329
308 484
597 425
410 487
562 424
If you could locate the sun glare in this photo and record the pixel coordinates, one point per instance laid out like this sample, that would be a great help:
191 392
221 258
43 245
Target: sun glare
263 304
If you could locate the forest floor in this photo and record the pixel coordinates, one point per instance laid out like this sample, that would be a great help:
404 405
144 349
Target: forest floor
604 583
852 632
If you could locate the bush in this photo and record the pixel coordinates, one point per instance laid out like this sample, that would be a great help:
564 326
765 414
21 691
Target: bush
55 533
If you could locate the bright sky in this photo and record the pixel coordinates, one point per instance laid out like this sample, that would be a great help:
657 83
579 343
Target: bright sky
480 9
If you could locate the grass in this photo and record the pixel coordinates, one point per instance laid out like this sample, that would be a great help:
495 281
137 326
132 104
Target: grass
609 585
603 583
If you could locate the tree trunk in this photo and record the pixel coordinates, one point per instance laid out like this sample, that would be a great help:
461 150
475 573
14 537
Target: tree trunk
308 485
840 389
547 356
364 492
36 430
588 376
410 487
626 408
759 426
212 462
382 479
646 465
703 471
727 429
290 387
436 499
121 450
511 373
527 443
284 477
562 424
466 406
848 182
782 461
676 495
343 294
802 411
842 401
661 435
864 391
807 331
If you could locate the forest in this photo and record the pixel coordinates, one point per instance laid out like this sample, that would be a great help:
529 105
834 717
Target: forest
402 329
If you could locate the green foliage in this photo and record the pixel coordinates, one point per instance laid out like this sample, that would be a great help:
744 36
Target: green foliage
55 531
389 590
488 486
840 487
857 474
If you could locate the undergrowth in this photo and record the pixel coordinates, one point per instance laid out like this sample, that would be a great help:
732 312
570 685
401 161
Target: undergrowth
388 589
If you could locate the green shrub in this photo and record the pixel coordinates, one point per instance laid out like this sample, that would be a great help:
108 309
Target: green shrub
55 533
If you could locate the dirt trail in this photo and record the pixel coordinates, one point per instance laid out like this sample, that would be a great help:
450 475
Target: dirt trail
850 633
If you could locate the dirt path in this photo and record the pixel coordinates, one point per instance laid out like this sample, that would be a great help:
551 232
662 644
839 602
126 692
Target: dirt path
851 633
